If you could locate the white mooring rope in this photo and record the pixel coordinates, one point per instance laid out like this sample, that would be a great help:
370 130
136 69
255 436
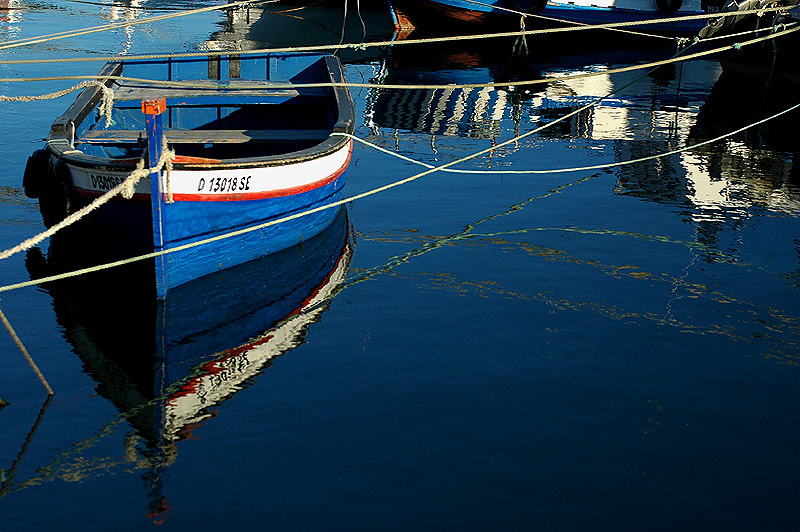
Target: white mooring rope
167 156
383 188
521 83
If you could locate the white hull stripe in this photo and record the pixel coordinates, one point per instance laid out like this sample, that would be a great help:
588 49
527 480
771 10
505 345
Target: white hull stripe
225 184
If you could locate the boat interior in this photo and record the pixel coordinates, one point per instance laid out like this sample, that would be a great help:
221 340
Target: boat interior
218 107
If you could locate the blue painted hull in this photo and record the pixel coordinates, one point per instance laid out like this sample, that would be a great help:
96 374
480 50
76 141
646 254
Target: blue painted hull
189 222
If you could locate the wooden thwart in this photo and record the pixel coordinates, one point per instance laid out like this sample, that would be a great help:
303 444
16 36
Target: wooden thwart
200 136
206 89
149 93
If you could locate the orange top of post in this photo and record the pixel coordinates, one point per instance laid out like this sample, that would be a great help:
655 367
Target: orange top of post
155 106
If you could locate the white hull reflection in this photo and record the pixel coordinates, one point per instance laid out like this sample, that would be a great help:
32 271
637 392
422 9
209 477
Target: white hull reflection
215 381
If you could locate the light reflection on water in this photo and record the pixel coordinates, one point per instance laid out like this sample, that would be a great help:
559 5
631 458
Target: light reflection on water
627 337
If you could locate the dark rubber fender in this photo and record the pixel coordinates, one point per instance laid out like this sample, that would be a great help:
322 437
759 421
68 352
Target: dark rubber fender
54 196
669 6
530 7
35 177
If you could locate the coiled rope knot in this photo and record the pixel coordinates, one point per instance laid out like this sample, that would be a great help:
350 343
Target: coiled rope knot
168 155
107 104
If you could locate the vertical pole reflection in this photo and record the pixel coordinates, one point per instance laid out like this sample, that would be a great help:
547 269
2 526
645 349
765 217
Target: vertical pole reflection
9 475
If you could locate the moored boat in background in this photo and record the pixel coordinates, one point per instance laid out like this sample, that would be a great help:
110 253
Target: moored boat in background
773 60
505 14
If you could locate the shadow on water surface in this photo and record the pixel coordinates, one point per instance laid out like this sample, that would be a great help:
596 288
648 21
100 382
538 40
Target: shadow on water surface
166 366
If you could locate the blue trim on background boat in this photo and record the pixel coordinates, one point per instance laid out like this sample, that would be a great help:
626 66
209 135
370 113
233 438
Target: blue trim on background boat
504 11
601 15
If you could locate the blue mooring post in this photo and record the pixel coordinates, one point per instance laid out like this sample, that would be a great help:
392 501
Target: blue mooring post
155 134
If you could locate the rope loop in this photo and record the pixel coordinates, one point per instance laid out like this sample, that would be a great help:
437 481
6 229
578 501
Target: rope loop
107 105
520 47
128 187
168 168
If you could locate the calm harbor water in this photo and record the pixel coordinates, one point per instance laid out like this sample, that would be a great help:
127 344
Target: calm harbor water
606 349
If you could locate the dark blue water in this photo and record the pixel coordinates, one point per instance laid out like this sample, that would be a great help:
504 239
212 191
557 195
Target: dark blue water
612 349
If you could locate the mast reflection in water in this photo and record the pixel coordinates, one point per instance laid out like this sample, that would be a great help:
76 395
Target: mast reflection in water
166 365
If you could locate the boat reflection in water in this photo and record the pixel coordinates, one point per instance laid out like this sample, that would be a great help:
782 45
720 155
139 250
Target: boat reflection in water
10 18
167 366
450 111
667 109
721 183
479 112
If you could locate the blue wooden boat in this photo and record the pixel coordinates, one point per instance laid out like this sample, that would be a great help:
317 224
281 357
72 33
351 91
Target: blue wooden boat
253 146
